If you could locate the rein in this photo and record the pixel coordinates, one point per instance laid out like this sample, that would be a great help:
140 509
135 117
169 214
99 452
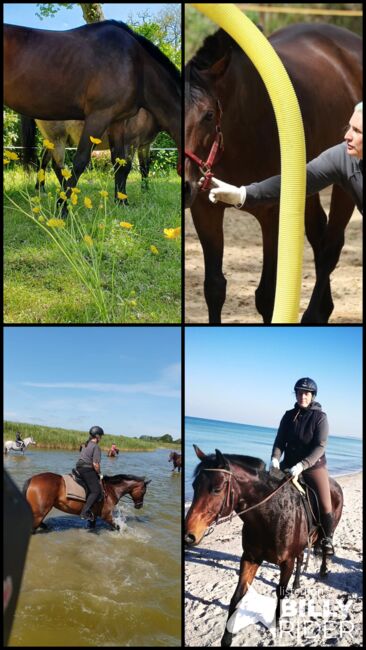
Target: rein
217 146
230 493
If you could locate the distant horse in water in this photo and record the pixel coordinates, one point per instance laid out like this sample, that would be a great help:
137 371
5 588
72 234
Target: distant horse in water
134 135
101 73
177 460
11 445
227 106
275 521
47 490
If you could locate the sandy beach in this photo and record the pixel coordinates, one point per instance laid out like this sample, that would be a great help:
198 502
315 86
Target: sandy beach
243 266
211 574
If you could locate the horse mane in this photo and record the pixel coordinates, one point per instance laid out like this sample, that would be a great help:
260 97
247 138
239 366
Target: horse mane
122 477
214 47
251 464
152 49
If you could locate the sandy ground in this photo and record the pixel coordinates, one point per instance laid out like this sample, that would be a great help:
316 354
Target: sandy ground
243 266
211 574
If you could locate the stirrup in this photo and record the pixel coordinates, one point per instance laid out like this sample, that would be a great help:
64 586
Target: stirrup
327 543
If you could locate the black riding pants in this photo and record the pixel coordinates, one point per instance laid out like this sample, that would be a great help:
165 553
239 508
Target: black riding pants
91 478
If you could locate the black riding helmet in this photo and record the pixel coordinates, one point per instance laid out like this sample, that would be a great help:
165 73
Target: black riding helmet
306 384
96 431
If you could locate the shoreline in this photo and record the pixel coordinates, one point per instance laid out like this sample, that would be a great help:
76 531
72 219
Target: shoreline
211 574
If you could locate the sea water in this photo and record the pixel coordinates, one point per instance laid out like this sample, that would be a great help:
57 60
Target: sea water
344 454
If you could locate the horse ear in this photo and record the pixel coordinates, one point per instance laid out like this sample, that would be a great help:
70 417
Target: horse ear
219 68
149 481
222 462
199 453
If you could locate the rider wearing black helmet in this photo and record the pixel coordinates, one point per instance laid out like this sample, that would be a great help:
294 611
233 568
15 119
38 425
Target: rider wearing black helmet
302 436
88 467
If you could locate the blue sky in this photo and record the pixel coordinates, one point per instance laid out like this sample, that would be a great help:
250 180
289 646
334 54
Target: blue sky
125 379
247 374
25 14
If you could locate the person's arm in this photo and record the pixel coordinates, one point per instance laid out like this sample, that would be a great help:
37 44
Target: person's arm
321 437
96 459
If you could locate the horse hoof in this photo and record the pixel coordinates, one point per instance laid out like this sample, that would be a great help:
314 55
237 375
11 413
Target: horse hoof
227 639
324 573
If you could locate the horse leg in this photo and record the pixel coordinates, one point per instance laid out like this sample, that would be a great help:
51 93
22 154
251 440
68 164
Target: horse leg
42 164
321 303
144 162
265 293
299 561
286 569
246 575
116 137
208 222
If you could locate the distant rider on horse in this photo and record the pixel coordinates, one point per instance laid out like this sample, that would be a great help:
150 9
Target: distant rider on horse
18 440
88 467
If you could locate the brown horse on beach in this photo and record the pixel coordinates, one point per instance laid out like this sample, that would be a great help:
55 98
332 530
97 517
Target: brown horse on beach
177 460
275 529
100 73
226 103
47 490
135 135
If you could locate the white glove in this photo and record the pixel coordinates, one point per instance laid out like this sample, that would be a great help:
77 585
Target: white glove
227 193
101 476
296 469
275 463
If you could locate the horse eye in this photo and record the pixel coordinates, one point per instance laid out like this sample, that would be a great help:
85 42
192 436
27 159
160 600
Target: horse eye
209 116
217 490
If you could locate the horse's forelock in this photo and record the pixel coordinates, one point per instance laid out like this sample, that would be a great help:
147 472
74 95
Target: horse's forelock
250 464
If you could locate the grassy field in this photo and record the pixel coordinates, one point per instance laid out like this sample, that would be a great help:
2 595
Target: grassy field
52 438
108 272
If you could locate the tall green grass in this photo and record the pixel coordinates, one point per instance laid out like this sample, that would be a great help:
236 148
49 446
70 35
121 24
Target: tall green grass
54 438
116 279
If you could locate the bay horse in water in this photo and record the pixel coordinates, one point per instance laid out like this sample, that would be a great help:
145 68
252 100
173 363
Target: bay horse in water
225 94
177 460
134 135
47 490
274 531
100 73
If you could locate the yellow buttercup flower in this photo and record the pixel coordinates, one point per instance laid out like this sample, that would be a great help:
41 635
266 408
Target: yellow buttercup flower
121 195
66 173
41 175
56 223
125 224
63 195
94 140
87 202
88 240
36 210
76 190
154 250
11 155
48 145
74 198
121 161
172 233
6 161
103 193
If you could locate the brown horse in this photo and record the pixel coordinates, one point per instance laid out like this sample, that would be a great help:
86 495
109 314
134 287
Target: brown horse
223 91
135 135
275 531
100 73
177 460
47 490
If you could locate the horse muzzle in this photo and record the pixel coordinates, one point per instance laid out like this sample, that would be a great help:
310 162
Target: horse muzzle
189 539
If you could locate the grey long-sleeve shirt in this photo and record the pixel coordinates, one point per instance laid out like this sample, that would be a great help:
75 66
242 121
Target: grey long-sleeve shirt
333 166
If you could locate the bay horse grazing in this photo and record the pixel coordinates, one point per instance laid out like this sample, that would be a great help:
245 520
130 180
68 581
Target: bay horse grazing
11 445
226 102
101 73
177 460
47 490
134 135
274 531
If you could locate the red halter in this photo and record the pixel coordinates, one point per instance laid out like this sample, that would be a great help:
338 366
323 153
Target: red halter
217 146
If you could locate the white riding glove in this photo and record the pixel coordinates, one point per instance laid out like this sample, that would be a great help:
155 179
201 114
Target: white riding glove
275 463
296 469
226 193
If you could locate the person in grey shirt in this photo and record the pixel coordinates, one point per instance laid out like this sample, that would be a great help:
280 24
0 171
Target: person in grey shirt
88 467
341 165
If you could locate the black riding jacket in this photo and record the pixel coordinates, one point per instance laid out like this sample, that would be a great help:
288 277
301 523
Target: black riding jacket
302 435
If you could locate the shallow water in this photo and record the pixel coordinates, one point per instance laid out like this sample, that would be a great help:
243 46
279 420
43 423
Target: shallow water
102 587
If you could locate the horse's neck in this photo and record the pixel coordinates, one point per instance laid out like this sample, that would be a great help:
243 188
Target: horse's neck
164 102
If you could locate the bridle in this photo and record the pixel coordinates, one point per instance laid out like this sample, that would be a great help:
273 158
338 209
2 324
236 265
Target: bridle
217 148
230 497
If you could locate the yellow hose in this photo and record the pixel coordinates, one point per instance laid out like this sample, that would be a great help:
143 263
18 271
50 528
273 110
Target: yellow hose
293 157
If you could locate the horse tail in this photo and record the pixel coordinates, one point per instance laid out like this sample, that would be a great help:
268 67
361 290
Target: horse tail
29 156
26 486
